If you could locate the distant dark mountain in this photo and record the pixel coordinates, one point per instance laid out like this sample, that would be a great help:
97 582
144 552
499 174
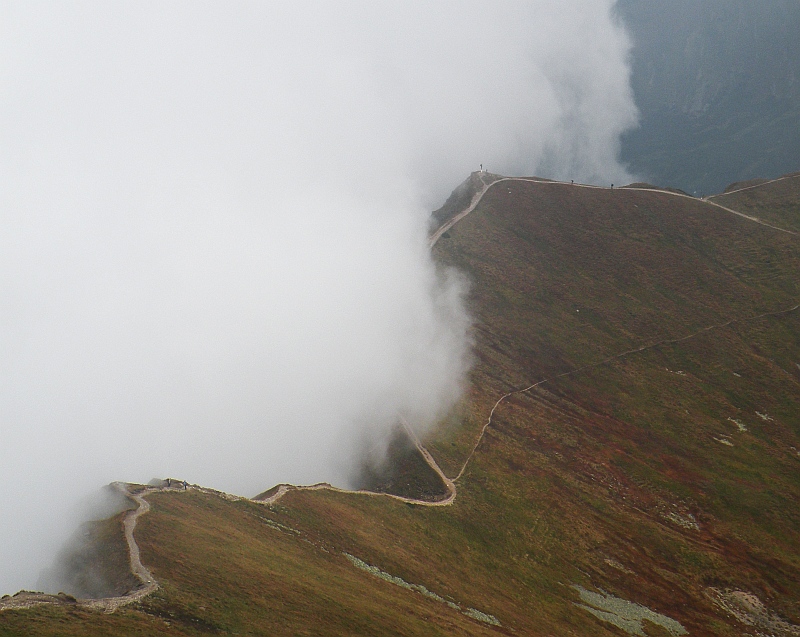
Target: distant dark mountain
718 86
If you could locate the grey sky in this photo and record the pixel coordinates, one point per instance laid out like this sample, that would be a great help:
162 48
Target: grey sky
213 261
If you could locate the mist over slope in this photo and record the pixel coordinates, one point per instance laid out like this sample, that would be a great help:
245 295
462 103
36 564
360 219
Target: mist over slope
636 359
214 262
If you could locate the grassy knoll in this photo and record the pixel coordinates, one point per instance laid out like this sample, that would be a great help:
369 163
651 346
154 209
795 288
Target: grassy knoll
657 475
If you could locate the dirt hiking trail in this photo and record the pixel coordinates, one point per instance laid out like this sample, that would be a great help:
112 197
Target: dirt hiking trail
148 584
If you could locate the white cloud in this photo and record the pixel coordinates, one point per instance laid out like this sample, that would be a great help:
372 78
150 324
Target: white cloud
213 261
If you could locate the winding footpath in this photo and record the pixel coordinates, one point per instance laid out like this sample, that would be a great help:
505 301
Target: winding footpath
437 234
450 487
479 195
148 584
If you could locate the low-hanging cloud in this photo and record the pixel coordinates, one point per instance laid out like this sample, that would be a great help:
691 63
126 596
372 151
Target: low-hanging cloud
213 261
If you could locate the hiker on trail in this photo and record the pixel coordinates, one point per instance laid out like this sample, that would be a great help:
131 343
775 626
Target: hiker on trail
168 482
184 485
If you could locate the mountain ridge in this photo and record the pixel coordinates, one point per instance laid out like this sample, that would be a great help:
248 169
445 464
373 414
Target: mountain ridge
600 317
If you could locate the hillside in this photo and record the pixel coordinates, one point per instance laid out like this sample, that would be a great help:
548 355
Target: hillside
776 201
637 358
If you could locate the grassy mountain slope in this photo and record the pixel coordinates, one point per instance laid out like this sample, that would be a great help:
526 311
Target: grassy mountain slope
657 461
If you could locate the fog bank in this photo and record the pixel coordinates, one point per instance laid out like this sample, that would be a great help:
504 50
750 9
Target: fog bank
213 262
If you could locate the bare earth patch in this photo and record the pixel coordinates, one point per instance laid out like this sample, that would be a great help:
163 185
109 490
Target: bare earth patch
623 614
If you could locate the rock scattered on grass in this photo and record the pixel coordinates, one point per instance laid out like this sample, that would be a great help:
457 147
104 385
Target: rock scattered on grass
725 440
742 427
686 521
419 588
618 566
625 615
